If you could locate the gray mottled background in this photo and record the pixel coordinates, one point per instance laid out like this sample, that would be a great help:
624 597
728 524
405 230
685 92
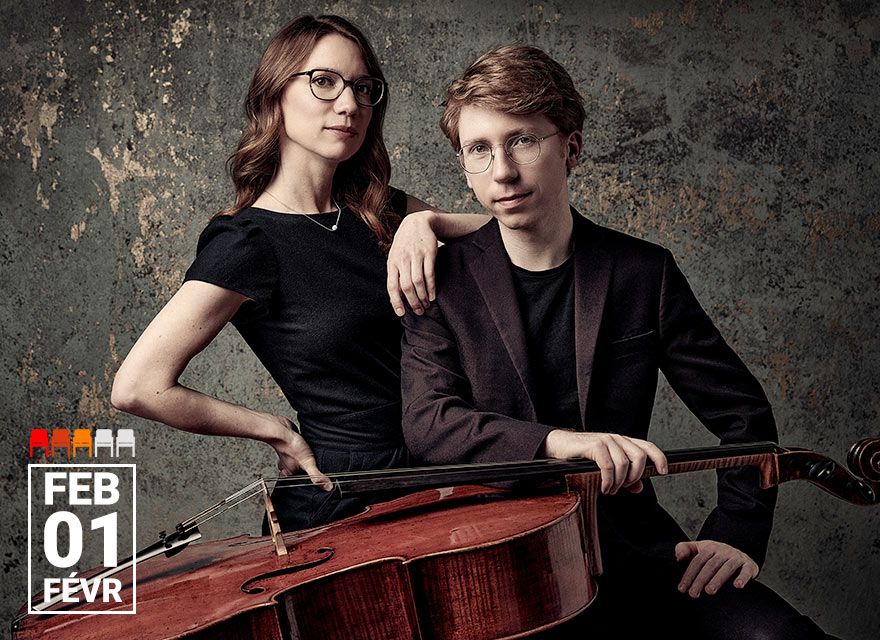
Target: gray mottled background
742 135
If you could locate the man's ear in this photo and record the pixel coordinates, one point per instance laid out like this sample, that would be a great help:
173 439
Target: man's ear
574 144
467 177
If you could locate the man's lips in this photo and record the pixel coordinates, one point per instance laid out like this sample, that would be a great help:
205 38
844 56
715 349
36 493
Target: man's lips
513 198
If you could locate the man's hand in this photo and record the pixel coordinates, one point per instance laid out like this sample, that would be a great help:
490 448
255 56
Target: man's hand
712 564
621 459
411 263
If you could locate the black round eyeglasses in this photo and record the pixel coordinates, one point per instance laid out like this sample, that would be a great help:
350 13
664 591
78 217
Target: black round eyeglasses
328 85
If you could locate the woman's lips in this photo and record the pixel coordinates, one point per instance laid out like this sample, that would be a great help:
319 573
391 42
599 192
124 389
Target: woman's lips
345 132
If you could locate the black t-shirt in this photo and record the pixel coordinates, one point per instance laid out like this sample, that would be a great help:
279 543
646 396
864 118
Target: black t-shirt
321 323
546 302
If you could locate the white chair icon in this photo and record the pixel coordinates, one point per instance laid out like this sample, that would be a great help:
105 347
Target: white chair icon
125 438
103 438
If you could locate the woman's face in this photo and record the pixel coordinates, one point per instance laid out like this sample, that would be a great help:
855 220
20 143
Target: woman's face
315 130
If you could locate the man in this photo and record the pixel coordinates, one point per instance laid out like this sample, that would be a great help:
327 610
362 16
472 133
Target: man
546 339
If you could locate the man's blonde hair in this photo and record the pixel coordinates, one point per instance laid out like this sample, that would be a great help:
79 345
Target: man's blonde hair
519 80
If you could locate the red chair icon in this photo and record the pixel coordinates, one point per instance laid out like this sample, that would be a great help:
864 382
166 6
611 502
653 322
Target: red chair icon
39 438
82 438
60 438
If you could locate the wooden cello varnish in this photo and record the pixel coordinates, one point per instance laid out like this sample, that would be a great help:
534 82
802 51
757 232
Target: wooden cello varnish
456 564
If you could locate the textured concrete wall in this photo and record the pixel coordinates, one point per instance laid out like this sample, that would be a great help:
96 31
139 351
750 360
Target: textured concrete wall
742 135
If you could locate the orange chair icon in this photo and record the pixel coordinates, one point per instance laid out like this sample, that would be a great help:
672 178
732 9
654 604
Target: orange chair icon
60 438
39 438
82 438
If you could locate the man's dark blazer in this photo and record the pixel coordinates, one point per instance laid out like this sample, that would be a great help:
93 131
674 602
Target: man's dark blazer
467 384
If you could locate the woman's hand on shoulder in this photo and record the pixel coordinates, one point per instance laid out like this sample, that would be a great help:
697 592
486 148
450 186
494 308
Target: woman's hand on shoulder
411 259
414 251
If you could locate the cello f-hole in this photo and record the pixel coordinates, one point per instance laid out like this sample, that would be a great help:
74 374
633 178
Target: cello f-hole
247 588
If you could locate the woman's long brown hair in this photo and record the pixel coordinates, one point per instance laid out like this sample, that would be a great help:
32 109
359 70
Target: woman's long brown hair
361 182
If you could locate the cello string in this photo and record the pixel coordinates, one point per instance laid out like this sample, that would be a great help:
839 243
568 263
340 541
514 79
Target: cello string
230 506
342 478
289 482
427 471
411 472
195 520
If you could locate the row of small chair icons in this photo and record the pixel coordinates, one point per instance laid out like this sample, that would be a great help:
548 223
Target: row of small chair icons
82 438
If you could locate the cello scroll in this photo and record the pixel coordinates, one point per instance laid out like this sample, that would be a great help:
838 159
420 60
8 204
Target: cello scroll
861 487
864 459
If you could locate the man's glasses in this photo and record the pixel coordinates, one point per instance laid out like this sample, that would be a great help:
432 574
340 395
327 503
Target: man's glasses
521 149
328 85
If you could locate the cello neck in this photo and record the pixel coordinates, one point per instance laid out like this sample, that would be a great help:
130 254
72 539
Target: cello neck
760 454
775 465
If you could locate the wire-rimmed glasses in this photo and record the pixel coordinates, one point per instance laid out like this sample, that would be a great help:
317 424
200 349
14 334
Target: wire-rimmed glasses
328 85
521 148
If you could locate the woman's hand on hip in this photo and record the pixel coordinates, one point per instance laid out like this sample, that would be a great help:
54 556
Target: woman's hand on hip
294 453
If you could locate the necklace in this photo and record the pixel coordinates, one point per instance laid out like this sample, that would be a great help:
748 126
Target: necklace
335 225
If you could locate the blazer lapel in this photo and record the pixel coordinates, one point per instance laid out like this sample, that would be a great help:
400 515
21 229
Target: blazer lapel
592 278
490 267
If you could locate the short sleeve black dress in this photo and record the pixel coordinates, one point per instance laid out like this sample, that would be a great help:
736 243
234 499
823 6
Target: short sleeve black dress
320 321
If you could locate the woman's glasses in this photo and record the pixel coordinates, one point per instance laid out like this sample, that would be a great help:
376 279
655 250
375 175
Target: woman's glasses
328 85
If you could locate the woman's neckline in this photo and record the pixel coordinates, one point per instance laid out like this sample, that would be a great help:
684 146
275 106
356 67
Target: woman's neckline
292 214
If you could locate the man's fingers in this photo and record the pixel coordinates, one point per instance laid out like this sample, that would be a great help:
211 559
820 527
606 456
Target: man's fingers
684 550
621 464
708 571
603 460
722 575
657 457
712 566
635 487
693 569
748 571
637 460
653 452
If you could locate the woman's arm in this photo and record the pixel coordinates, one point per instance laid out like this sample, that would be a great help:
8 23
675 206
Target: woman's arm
147 382
414 249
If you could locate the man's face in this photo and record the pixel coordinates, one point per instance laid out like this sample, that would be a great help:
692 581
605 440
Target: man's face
521 196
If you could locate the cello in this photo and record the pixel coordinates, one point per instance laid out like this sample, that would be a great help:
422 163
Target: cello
455 560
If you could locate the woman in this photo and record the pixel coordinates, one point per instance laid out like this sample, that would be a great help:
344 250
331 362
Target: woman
297 265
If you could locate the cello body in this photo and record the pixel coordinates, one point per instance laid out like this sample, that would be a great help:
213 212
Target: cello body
406 569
